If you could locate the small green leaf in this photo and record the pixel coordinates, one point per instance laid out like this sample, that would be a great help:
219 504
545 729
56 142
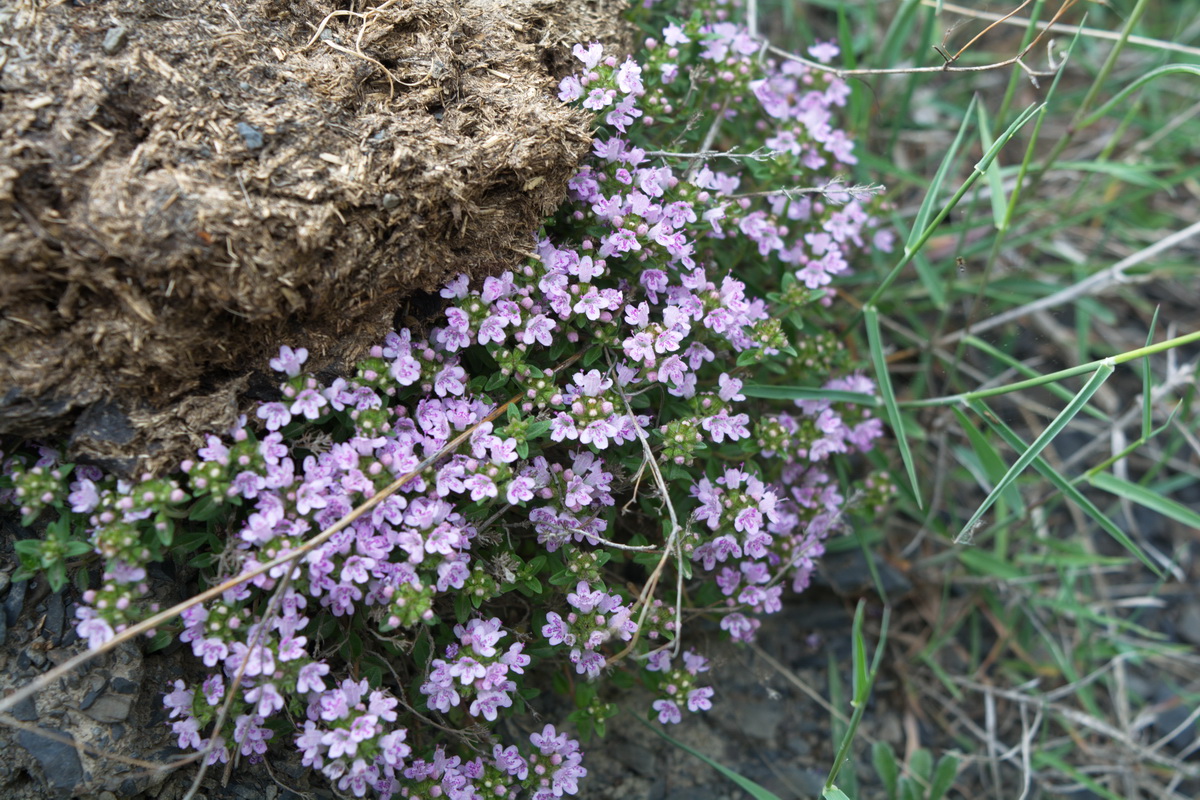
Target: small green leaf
159 641
943 777
496 380
76 549
884 759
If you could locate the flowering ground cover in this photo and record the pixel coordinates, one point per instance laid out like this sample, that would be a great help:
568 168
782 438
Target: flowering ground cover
652 424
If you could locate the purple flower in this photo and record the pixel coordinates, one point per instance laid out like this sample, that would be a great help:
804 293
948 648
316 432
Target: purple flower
590 55
276 415
699 699
668 712
83 497
556 631
289 360
179 701
450 380
309 679
393 749
309 403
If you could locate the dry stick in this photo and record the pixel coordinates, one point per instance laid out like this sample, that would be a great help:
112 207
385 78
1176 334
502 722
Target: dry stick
48 678
671 544
236 684
1096 282
150 767
1067 30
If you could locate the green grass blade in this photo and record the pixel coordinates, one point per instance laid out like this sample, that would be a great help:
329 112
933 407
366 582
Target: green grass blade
989 459
925 212
871 314
1119 97
1065 486
862 692
1052 430
994 179
1147 394
1146 498
1059 391
859 643
766 392
755 790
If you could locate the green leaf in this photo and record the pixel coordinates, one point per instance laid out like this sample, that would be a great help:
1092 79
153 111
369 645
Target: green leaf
496 380
75 549
921 764
592 355
205 509
834 793
537 429
748 357
462 607
884 759
56 574
159 641
943 777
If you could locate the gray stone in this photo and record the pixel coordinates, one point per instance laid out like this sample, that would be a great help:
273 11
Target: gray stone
26 710
59 760
110 708
5 580
114 40
15 602
55 616
251 136
96 686
123 685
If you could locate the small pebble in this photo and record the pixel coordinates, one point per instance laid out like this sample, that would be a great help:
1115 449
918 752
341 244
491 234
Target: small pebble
55 616
15 602
114 40
5 580
251 135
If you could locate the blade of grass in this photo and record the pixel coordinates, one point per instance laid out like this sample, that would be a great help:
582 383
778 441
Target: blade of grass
925 212
989 458
809 393
1064 485
891 409
863 690
1147 394
1056 426
995 180
1146 498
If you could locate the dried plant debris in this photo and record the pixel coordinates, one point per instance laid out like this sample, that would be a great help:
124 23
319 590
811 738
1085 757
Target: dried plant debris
184 185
